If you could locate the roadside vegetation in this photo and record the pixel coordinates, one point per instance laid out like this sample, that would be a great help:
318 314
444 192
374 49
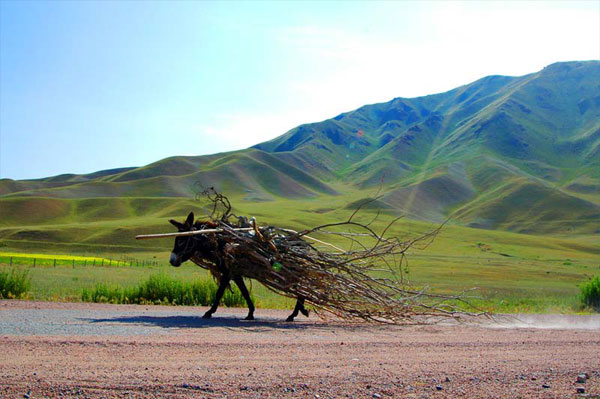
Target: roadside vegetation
161 289
590 293
14 283
501 286
510 272
68 284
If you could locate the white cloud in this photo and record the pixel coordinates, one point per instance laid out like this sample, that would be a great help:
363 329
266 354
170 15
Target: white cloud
238 131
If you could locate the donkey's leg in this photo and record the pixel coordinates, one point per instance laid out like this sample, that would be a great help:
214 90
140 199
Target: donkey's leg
302 308
298 308
239 280
222 286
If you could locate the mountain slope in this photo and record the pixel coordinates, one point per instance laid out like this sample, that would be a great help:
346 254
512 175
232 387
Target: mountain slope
515 153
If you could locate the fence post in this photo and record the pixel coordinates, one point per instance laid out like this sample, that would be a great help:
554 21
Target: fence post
54 262
73 263
94 264
33 262
102 262
11 260
84 262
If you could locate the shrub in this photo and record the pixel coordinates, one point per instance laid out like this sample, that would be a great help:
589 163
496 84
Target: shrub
162 289
14 284
590 293
103 293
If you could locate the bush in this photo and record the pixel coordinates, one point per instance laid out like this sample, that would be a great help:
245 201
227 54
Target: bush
102 293
14 284
165 290
590 293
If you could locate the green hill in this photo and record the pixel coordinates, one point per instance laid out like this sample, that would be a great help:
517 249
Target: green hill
509 153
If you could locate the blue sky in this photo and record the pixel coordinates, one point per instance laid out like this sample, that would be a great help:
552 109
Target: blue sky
86 86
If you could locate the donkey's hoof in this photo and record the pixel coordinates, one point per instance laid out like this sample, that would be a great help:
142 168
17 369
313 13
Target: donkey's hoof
290 318
207 315
304 312
249 317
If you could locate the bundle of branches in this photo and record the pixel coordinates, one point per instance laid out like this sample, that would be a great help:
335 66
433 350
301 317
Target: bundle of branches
364 281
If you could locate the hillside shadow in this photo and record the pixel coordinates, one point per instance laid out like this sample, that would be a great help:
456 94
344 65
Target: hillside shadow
167 322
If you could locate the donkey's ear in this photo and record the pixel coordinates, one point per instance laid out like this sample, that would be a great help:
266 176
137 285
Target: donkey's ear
189 222
176 224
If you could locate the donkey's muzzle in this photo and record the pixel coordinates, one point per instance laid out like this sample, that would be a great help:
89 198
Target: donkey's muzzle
175 260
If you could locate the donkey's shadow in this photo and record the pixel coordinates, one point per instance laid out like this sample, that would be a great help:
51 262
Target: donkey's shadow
175 322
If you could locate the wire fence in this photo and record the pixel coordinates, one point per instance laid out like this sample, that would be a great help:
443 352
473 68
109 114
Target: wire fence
124 261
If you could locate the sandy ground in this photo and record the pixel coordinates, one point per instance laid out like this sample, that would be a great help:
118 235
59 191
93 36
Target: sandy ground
103 351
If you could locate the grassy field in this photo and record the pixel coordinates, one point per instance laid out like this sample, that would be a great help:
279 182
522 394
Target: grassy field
511 272
66 283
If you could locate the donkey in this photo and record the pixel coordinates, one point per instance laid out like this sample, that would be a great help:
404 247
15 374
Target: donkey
203 247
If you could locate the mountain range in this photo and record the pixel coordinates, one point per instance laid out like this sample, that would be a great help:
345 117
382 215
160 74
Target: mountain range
509 153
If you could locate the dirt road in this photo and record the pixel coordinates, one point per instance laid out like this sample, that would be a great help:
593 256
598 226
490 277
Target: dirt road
104 351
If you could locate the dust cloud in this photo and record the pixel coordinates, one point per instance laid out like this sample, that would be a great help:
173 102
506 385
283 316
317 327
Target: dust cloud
545 321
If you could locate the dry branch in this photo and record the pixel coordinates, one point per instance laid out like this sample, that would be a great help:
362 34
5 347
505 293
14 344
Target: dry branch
346 283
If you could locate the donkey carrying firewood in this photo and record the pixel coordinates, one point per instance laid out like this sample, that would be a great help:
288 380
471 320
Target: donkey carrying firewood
210 252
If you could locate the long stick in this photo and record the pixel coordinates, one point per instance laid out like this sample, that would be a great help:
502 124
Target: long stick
207 231
314 239
187 233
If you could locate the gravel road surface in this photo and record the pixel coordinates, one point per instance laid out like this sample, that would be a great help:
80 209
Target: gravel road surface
66 350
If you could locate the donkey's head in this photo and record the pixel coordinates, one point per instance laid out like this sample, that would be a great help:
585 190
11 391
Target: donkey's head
184 246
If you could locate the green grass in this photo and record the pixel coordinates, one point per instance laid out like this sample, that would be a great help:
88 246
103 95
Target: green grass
511 271
65 283
14 283
162 289
590 293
